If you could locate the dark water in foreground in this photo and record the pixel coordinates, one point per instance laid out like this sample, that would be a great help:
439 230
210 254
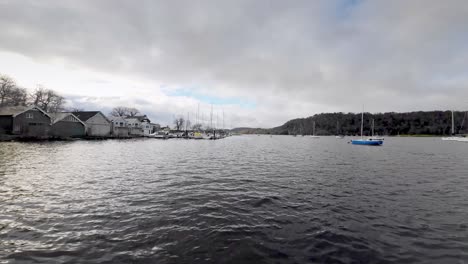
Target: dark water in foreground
248 199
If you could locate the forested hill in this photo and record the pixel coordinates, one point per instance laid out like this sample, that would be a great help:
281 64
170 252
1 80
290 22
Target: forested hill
412 123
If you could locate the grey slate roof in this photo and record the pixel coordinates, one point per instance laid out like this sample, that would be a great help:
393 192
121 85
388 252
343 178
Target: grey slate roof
12 110
140 118
16 110
85 115
56 117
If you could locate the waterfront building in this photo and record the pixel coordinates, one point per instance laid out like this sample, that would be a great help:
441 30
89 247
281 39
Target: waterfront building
66 125
25 121
97 124
120 127
139 125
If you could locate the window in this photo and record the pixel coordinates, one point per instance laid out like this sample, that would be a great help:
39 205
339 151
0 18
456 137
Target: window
29 116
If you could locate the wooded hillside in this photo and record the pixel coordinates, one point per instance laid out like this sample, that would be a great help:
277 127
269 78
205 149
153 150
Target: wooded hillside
412 123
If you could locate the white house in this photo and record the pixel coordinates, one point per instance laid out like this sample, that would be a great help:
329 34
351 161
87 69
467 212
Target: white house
140 125
119 126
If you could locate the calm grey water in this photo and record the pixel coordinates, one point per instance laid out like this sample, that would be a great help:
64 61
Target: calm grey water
245 199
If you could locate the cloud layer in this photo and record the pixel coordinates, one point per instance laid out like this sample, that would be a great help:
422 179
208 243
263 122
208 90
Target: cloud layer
287 59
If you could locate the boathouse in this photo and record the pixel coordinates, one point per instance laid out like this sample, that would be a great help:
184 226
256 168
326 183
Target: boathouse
97 124
66 125
25 121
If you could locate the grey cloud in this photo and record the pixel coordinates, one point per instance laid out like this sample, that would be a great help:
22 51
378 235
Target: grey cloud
288 56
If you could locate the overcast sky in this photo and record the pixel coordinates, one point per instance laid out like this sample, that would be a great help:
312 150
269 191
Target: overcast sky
261 62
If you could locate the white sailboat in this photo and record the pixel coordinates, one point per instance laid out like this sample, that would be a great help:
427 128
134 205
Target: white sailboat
338 135
159 135
373 137
313 131
453 137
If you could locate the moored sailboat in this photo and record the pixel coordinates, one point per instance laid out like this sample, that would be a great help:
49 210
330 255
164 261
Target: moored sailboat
313 131
453 137
373 137
338 135
369 141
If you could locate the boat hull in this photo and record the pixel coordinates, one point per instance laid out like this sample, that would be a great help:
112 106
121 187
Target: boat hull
458 139
367 142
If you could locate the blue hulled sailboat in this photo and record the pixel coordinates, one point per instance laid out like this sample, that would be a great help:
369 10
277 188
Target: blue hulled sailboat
370 141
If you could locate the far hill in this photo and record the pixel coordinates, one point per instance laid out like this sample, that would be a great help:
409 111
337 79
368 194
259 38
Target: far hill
249 130
411 123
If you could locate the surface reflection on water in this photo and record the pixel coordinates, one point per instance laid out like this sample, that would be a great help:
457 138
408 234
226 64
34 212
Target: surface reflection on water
242 199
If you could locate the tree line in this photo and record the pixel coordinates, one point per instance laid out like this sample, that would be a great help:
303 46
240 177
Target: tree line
391 123
13 95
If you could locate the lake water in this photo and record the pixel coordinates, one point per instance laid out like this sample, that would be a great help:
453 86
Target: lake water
243 199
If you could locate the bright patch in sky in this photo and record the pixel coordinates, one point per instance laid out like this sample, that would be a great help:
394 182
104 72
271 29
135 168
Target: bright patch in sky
210 99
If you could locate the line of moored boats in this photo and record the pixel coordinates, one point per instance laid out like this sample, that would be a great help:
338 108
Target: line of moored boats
200 135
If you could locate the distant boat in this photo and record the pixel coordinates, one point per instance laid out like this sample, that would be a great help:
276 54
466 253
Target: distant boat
313 131
197 135
159 135
369 141
294 134
373 137
338 135
453 137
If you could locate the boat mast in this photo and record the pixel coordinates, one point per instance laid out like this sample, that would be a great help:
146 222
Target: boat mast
198 115
211 117
313 129
372 127
362 121
453 125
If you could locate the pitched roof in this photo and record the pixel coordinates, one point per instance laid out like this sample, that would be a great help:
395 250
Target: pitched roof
16 110
139 118
116 118
12 110
56 117
85 115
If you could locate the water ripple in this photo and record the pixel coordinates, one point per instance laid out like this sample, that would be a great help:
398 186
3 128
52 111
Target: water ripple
244 199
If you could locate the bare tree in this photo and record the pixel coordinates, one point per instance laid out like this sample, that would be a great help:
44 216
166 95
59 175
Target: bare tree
179 123
197 127
6 86
124 111
18 96
133 111
10 93
74 109
47 100
118 111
